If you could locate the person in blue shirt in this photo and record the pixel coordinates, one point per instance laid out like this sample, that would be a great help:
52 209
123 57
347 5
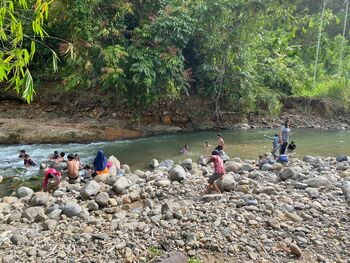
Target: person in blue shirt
275 144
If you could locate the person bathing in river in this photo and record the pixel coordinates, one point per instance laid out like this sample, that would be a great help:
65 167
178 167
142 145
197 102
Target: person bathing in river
60 159
28 161
221 143
54 156
185 149
219 171
100 163
284 136
22 154
73 169
275 144
49 174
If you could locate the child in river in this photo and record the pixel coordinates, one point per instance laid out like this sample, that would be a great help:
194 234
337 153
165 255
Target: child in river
275 144
185 149
28 161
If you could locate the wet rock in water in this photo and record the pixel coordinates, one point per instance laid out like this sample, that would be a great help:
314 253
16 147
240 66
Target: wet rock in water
187 164
19 239
121 185
39 198
319 181
90 189
294 249
228 183
177 173
71 209
1 178
154 163
49 224
32 213
166 165
102 199
115 161
287 173
342 158
346 191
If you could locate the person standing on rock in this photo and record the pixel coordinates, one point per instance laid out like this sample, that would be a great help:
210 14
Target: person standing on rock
50 173
100 163
284 136
221 143
219 171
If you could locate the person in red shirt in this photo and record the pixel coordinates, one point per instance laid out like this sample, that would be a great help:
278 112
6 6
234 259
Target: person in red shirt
50 173
219 170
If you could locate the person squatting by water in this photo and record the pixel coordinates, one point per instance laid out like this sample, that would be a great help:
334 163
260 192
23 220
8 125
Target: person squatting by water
49 174
275 144
284 136
221 143
219 171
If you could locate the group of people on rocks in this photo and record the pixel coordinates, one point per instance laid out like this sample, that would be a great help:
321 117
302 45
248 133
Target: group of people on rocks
76 171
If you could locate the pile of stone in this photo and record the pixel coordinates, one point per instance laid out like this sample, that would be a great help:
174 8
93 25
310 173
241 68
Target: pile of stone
275 214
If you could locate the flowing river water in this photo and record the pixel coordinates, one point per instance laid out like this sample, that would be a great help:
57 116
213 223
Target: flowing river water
139 152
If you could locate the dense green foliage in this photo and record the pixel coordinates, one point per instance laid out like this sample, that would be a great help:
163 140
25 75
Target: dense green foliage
243 54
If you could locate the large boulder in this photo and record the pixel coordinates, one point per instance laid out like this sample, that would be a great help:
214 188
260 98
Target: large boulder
187 164
34 213
266 167
166 165
120 185
320 181
177 173
71 209
287 173
154 163
39 198
202 160
342 166
115 161
228 183
90 189
246 167
232 166
102 199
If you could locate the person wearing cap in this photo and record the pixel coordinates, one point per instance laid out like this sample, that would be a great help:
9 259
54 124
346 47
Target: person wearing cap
219 171
221 143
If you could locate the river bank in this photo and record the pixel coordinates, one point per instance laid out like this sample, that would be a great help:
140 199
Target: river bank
54 118
277 214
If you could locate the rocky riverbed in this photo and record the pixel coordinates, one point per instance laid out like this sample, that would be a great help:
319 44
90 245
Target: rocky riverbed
276 214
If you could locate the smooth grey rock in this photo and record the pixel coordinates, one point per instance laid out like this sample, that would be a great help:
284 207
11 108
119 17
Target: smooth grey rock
342 166
299 185
71 209
232 167
120 185
55 214
246 168
24 192
212 197
319 181
90 189
312 192
19 239
154 163
267 167
32 213
92 206
102 199
49 224
228 183
269 190
342 158
287 173
202 160
166 165
39 199
177 173
187 164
